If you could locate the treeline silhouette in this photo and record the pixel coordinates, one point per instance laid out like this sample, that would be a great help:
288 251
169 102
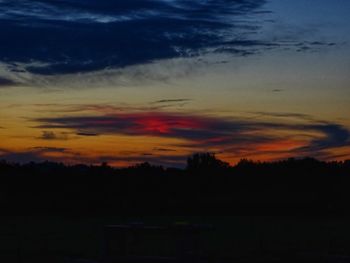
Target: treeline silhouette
207 185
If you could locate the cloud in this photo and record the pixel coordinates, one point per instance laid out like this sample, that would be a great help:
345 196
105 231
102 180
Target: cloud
313 46
163 150
50 135
334 135
169 103
47 135
170 100
299 116
285 135
83 36
165 160
115 43
305 136
5 82
41 154
109 108
87 134
37 154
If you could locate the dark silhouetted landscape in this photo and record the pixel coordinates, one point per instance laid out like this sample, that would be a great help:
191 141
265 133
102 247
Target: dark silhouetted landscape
295 210
206 186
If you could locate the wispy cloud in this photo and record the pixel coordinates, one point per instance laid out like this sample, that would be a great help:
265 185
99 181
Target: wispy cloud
5 82
37 154
71 36
277 90
170 160
118 42
209 133
87 134
169 103
40 154
300 116
232 137
50 135
110 108
170 100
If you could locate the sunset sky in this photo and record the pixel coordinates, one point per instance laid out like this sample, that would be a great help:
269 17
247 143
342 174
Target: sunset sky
128 81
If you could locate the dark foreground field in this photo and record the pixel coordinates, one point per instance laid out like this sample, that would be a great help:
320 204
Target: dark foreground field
232 238
57 213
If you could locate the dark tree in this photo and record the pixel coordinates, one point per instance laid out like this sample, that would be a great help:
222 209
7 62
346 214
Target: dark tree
205 163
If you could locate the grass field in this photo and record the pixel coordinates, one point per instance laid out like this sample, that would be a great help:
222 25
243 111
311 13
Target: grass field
233 238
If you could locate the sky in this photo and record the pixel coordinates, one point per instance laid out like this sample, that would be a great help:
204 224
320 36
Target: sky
123 82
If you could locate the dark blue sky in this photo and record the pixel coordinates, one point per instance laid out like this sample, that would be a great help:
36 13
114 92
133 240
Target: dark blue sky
74 36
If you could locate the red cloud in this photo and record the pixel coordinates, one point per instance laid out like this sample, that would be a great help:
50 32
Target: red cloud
164 124
209 132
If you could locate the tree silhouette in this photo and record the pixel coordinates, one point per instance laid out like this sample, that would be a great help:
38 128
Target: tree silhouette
205 163
294 185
